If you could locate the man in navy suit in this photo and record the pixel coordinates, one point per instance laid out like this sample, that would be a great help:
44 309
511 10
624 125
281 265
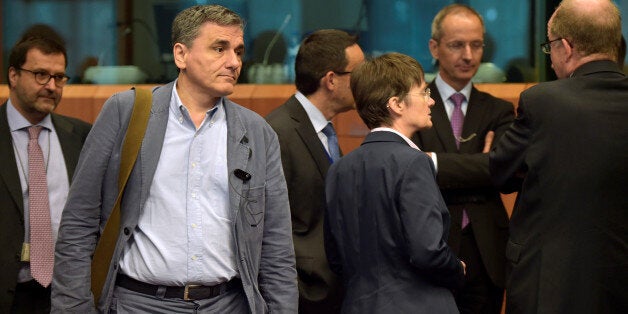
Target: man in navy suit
322 93
386 224
567 154
479 227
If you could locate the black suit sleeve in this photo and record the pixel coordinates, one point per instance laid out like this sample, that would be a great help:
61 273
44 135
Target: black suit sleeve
506 159
463 170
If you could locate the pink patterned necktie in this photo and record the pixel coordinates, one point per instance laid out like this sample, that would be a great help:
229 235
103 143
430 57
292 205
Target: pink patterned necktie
42 250
457 117
457 121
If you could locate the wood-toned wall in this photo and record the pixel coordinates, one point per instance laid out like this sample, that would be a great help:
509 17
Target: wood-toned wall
85 101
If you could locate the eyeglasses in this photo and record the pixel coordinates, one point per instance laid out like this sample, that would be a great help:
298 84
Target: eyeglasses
546 47
426 94
43 77
342 72
459 46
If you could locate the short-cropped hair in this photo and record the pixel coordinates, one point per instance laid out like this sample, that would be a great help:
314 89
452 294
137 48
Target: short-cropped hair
375 81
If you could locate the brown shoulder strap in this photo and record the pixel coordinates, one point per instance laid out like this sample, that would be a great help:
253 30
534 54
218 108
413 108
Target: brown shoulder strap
130 148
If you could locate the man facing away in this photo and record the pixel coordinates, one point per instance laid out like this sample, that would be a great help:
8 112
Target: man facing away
566 154
323 70
205 223
465 120
33 190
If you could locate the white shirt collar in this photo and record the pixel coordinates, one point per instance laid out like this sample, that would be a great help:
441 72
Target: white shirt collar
405 138
316 116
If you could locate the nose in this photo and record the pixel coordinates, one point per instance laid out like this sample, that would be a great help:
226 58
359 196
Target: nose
467 52
51 84
234 61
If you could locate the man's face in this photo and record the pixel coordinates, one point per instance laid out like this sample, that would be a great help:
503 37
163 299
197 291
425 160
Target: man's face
33 100
214 60
459 50
355 56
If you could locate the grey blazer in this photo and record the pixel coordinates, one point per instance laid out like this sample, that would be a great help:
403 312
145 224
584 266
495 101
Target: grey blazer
260 208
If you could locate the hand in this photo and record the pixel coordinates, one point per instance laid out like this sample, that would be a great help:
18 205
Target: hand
464 268
488 140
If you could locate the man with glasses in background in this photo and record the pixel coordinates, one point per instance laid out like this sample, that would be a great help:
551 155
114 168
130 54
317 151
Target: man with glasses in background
465 121
303 125
39 152
566 153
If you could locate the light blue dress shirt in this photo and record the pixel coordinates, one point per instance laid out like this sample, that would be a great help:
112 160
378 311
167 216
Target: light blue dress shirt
184 234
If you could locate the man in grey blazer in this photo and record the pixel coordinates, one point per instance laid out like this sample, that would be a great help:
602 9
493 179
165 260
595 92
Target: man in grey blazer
36 76
322 92
205 223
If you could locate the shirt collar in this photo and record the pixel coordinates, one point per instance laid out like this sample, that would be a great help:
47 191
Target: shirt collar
316 116
446 91
176 106
405 138
18 122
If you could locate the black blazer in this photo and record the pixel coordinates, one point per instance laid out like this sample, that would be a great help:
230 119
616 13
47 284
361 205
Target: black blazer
386 230
72 133
567 153
305 165
463 175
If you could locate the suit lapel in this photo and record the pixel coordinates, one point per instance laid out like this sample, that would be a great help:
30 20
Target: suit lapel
8 171
303 126
440 121
472 121
71 143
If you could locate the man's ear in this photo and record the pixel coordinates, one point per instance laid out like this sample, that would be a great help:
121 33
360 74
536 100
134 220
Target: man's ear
568 48
328 80
12 76
179 52
433 44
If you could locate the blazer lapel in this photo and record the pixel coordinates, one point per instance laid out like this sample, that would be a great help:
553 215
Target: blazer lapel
8 171
239 153
472 121
440 122
305 129
153 140
71 143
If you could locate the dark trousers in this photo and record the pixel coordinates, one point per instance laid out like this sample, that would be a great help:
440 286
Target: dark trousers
478 295
30 297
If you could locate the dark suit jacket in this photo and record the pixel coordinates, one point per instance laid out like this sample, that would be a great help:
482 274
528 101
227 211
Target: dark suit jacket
386 230
305 164
72 133
568 244
463 175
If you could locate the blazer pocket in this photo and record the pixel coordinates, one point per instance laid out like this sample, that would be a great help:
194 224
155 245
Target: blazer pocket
513 251
254 204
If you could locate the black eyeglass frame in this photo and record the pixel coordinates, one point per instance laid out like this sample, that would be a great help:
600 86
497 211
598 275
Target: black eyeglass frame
43 77
546 47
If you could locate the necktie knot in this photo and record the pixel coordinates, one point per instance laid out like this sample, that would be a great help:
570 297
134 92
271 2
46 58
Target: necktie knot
457 98
328 130
33 131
